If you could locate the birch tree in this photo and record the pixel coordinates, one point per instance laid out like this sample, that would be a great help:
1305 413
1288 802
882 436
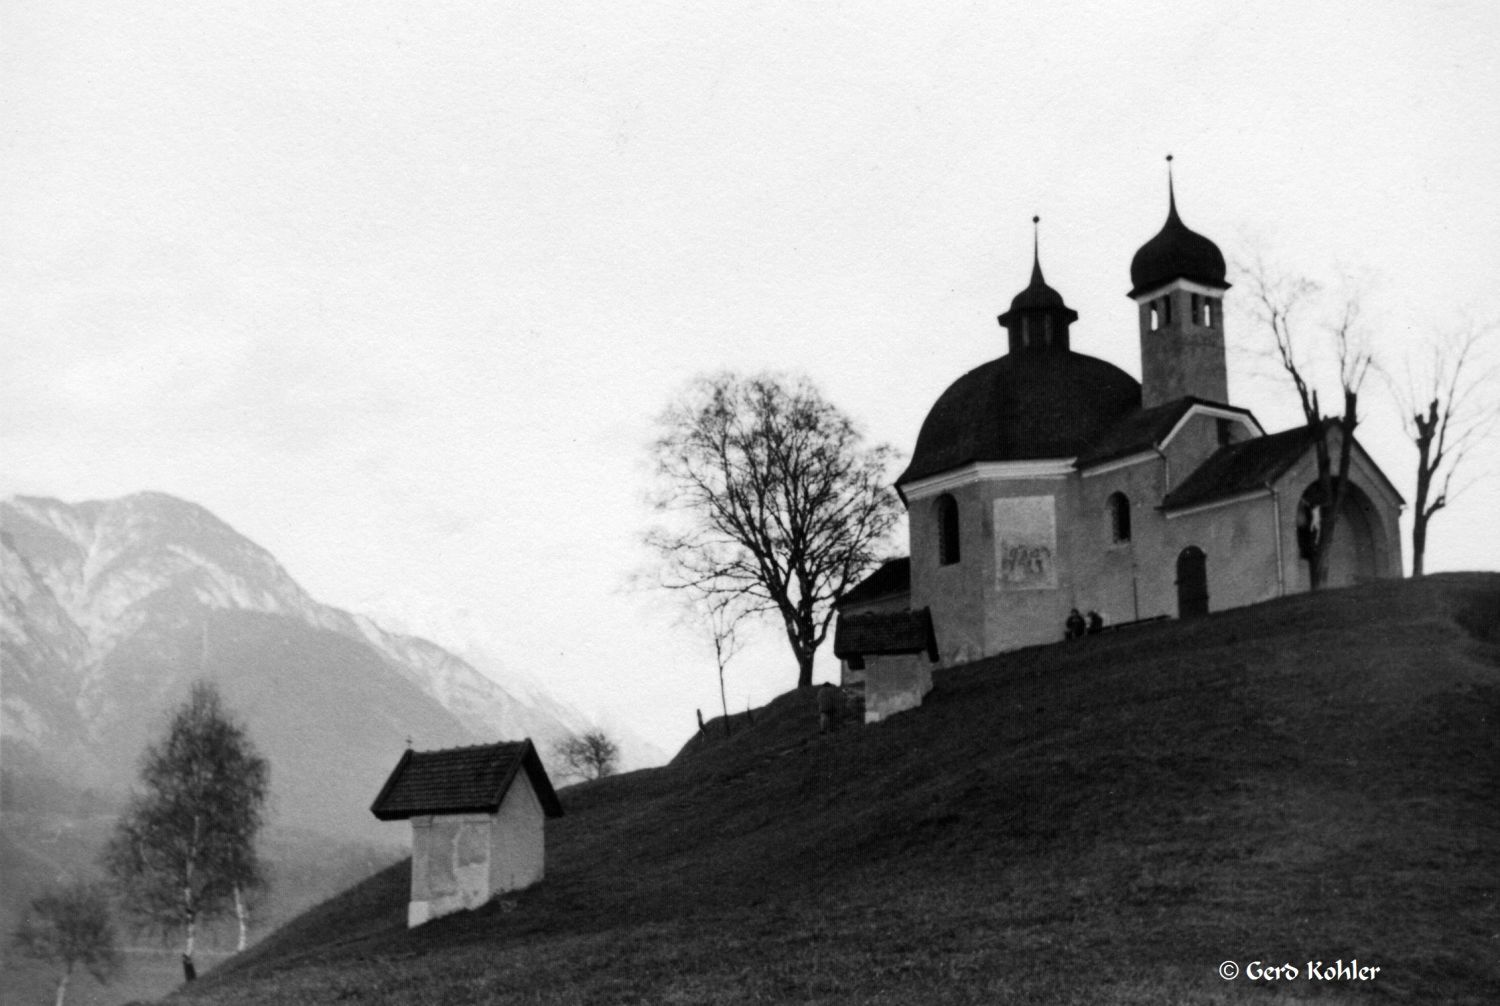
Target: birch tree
183 852
71 929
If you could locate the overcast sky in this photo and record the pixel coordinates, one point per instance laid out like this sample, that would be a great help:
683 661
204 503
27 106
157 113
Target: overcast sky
398 289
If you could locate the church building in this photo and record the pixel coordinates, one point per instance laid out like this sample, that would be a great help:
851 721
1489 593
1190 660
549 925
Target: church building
1046 481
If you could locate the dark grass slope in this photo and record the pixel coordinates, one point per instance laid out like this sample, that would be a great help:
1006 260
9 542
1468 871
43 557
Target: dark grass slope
1101 821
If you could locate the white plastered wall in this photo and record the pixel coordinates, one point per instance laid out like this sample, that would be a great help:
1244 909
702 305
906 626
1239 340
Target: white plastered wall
461 861
895 683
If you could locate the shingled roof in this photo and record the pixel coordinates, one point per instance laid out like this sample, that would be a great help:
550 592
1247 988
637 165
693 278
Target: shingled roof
467 780
1242 467
884 633
1021 407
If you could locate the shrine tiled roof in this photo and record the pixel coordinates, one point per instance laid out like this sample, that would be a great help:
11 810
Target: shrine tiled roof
878 633
462 780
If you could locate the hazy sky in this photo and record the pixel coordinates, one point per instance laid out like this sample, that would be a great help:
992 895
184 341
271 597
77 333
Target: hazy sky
398 289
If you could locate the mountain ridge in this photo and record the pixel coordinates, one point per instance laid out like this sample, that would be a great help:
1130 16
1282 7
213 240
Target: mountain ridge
112 606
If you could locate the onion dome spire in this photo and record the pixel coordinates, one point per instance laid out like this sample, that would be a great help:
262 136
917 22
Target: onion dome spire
1176 253
1036 254
1038 318
1171 191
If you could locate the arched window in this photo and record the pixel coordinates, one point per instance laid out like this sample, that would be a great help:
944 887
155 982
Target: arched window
947 528
1119 517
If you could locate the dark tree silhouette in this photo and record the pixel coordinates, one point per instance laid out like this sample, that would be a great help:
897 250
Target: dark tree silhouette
772 503
1447 406
71 928
589 755
184 850
1277 300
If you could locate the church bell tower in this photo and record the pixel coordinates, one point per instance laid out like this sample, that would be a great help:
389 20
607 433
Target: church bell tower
1177 279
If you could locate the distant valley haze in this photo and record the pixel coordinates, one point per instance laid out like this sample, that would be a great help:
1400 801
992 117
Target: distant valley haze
113 608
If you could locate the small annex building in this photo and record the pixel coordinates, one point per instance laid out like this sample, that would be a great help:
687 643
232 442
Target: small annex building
478 823
1047 480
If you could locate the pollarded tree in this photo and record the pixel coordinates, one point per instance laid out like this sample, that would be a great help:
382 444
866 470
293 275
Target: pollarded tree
773 503
71 929
1278 301
1448 405
184 850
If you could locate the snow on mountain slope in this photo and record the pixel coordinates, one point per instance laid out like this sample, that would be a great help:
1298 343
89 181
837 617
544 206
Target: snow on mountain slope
109 606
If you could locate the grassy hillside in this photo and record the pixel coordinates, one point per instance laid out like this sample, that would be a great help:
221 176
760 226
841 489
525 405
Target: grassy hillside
1100 821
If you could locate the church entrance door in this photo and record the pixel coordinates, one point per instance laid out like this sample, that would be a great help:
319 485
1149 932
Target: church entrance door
1192 583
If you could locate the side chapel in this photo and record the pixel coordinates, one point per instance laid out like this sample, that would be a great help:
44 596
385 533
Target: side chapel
1046 481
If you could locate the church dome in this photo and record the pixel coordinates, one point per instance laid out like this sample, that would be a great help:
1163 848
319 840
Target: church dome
1176 253
1023 406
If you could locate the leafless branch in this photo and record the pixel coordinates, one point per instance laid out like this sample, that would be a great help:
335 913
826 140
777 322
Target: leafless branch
1448 406
770 503
1279 301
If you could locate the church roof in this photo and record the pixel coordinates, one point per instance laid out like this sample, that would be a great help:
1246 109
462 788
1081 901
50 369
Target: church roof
1145 429
1142 430
466 780
886 633
1176 253
1255 464
1242 467
1022 406
893 577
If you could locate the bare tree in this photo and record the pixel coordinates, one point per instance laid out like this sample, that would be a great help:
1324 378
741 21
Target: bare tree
723 623
772 502
589 755
71 928
1446 408
1278 300
184 850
